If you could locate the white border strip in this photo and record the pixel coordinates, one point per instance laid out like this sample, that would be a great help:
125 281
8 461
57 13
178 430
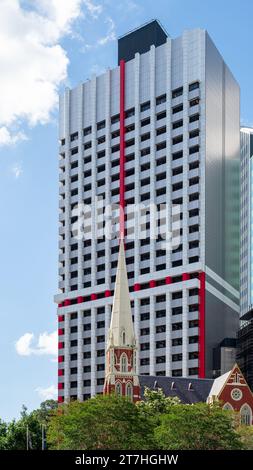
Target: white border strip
223 283
222 297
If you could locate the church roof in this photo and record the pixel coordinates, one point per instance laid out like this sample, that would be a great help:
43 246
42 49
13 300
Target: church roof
121 320
188 390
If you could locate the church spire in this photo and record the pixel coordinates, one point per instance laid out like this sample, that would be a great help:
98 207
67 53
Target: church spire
121 329
121 355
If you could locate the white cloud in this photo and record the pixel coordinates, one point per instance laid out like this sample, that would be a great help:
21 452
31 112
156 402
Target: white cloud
10 138
94 9
17 170
48 393
45 345
23 344
110 35
33 63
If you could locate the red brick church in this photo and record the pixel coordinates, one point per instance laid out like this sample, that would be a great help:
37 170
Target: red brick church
230 389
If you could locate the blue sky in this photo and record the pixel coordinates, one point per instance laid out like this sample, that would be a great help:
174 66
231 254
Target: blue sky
44 46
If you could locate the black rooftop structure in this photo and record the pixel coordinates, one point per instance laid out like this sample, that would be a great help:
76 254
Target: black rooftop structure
186 389
140 40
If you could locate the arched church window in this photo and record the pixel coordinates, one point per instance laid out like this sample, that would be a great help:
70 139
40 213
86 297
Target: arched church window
129 391
123 363
124 337
118 388
227 406
246 415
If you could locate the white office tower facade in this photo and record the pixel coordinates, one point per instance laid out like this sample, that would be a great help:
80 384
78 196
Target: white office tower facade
246 255
156 138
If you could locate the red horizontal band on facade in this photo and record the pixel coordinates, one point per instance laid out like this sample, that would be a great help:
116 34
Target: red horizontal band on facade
80 300
67 302
60 372
136 287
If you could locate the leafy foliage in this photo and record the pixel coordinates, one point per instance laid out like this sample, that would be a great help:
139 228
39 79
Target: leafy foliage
197 427
103 422
14 434
156 402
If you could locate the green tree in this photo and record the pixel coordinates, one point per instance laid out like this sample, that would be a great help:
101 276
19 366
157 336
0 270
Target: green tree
3 433
13 436
197 427
246 437
102 422
155 402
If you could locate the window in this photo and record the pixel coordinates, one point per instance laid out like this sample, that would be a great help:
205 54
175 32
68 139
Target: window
115 119
160 99
74 136
118 388
116 134
74 151
177 373
145 361
228 407
177 124
177 155
161 115
160 344
87 146
177 326
129 113
177 140
177 92
194 117
145 136
87 131
123 337
101 139
145 106
160 146
145 122
129 391
194 133
193 86
177 109
246 415
193 371
194 102
177 357
123 363
100 125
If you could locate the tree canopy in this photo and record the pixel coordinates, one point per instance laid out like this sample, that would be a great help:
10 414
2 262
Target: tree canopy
102 422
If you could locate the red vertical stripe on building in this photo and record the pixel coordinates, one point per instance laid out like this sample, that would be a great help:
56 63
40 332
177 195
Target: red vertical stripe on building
202 295
122 150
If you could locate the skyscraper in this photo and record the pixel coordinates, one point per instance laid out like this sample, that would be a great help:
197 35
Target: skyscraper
150 150
245 334
246 255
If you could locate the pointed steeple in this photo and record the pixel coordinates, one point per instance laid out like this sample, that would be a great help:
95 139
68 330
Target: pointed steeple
121 331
